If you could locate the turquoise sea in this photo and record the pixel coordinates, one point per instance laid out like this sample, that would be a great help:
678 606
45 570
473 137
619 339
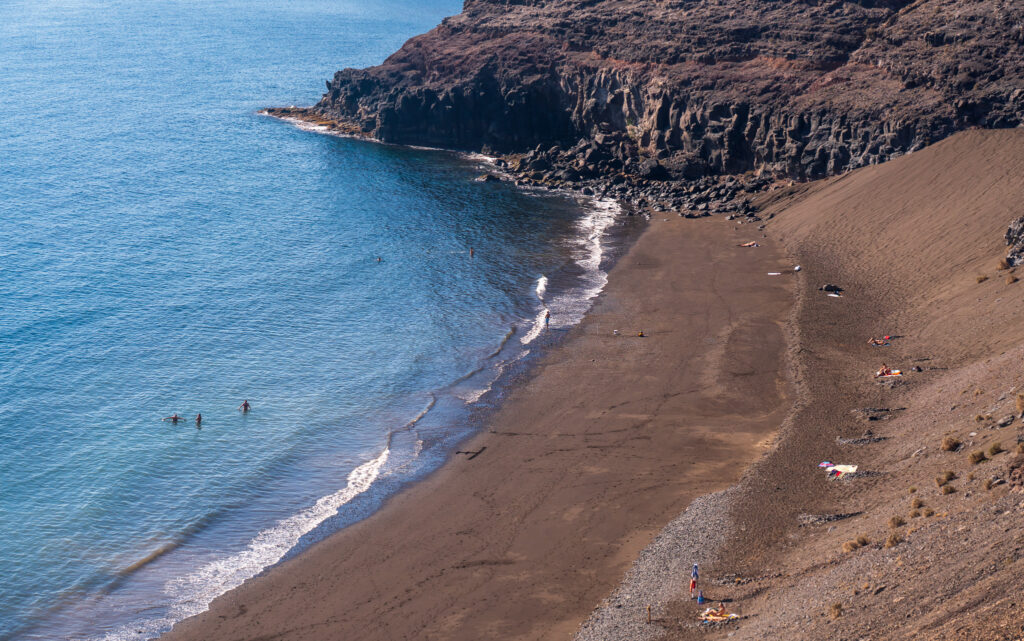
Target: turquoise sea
164 248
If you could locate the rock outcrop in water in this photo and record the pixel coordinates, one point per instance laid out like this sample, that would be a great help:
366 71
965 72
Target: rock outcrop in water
683 89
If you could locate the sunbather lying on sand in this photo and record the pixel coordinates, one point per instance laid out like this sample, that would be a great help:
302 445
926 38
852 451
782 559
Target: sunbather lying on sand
878 342
887 371
750 244
711 614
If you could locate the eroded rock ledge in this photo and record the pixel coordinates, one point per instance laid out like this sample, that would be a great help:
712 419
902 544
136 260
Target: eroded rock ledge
682 90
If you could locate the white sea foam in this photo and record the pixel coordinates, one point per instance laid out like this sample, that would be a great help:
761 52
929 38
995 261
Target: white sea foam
593 227
472 396
536 328
541 318
192 594
542 287
568 307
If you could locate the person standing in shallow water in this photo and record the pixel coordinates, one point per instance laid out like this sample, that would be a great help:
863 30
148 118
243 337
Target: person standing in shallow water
199 421
547 318
245 407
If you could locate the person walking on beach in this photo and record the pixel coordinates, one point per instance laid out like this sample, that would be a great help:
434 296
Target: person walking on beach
174 418
694 575
199 421
245 407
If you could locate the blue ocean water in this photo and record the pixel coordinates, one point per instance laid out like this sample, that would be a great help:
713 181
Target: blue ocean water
164 248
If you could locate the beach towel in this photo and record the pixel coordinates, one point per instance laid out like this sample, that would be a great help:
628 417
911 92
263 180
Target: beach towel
709 615
837 471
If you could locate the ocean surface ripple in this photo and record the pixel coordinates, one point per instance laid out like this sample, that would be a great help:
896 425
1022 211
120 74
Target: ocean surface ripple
164 249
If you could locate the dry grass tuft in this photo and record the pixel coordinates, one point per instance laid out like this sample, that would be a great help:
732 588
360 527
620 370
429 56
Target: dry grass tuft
929 512
995 448
1020 403
975 457
979 418
989 483
951 444
1011 279
948 489
850 546
863 540
1020 448
896 521
1003 265
912 489
893 540
981 279
914 514
836 610
916 503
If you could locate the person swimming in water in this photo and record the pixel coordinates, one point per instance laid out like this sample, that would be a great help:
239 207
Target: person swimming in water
174 418
245 407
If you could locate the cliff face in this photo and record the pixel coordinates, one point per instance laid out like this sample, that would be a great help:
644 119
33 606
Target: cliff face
784 87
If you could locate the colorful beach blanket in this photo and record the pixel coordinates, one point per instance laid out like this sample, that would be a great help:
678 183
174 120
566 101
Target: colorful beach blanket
709 615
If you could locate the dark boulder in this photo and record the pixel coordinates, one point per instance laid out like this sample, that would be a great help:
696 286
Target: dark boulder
651 169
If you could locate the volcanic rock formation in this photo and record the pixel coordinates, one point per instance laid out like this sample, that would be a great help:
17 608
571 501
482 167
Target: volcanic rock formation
683 89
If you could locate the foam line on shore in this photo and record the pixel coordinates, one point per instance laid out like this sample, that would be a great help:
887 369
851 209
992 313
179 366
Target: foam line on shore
542 287
603 213
195 591
536 328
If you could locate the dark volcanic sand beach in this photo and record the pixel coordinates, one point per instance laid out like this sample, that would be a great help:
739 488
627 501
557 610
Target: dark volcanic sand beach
609 439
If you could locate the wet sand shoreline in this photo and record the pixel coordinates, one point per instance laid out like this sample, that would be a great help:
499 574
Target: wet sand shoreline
609 439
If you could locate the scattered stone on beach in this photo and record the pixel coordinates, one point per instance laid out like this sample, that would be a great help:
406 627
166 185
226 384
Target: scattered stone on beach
654 578
820 519
1006 420
863 440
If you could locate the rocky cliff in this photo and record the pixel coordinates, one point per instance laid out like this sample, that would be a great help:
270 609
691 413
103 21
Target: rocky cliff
682 89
